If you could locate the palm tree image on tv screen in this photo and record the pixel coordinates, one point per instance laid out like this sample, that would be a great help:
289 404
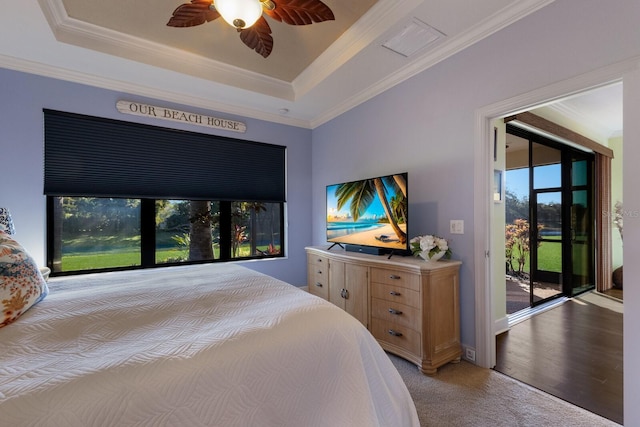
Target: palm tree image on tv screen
369 212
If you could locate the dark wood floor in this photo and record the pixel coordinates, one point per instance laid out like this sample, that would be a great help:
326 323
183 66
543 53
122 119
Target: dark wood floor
615 293
573 352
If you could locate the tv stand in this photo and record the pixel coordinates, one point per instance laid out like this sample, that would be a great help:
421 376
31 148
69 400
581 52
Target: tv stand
399 252
339 244
410 306
395 252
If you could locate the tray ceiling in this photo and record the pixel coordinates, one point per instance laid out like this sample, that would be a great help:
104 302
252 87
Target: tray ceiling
314 73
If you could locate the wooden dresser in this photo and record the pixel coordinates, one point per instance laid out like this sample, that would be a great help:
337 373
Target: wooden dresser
410 306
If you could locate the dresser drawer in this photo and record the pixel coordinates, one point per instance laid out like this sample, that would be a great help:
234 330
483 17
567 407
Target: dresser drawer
318 276
318 266
395 313
318 261
394 293
399 336
395 278
319 270
318 284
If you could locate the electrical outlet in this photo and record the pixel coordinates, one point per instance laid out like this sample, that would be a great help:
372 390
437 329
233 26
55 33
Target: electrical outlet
456 226
470 354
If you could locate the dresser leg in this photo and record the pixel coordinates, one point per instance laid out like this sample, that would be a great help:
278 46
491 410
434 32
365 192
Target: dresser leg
428 371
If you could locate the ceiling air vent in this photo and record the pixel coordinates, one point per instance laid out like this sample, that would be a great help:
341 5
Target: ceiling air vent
413 37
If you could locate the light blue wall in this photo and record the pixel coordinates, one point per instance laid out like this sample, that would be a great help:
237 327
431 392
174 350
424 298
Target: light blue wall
426 125
22 98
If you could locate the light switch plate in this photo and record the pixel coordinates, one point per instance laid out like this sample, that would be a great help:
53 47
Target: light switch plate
456 226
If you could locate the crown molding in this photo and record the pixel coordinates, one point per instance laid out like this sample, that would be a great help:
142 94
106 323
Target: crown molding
137 89
446 49
365 31
382 16
89 36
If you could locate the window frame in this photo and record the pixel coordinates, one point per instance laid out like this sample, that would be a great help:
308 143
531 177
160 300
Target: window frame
148 239
97 157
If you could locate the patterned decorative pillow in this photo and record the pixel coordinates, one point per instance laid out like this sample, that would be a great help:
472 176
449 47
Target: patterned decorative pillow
21 283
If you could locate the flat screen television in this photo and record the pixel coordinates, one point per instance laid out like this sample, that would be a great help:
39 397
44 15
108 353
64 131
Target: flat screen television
370 214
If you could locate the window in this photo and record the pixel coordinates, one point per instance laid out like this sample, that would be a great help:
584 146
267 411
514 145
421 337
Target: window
92 233
128 195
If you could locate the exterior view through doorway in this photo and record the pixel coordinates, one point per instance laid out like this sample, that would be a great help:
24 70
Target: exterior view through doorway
550 223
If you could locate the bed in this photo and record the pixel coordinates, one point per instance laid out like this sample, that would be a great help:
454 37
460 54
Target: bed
206 345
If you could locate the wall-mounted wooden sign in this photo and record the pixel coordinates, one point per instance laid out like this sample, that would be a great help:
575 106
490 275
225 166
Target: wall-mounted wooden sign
163 113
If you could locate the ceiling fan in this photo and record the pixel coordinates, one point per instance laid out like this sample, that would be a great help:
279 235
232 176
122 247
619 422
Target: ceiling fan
247 17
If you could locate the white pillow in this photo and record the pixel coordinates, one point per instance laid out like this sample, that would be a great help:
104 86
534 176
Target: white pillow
21 283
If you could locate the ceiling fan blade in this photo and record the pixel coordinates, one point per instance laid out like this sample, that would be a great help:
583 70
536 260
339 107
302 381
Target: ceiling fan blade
300 12
258 37
195 13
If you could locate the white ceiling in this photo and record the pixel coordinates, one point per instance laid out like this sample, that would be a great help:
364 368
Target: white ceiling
314 73
596 114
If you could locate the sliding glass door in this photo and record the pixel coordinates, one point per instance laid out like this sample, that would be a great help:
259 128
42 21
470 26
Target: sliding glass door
557 252
581 251
546 223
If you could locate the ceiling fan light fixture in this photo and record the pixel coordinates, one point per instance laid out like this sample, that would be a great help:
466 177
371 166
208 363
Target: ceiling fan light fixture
240 14
268 4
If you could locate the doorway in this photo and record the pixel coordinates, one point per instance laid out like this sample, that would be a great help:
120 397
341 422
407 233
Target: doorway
550 248
564 185
487 318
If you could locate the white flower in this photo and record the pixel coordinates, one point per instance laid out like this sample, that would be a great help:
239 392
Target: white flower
428 245
442 244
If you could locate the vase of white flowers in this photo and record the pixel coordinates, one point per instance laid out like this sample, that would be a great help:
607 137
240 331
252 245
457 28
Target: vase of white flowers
430 248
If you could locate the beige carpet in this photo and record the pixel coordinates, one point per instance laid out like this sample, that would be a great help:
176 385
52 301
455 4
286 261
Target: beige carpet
463 394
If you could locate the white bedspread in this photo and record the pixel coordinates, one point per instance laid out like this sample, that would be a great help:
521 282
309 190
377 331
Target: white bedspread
209 345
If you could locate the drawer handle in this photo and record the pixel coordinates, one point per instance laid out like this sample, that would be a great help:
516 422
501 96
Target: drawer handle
318 284
394 277
395 333
395 294
319 271
319 259
396 312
